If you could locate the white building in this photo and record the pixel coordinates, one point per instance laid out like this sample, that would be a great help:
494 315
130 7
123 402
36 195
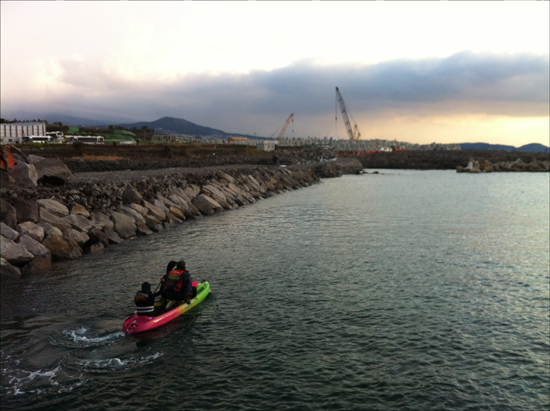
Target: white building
12 133
266 145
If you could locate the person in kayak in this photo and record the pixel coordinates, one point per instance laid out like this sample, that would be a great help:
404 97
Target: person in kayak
178 283
145 300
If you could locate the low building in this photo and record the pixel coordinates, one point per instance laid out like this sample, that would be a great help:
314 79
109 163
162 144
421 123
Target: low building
267 145
13 133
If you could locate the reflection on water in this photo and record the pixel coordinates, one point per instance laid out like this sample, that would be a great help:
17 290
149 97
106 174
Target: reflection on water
405 290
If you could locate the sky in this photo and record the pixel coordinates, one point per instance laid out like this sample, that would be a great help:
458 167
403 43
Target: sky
420 72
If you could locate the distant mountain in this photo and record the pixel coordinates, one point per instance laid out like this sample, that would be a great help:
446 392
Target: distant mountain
53 118
172 125
534 147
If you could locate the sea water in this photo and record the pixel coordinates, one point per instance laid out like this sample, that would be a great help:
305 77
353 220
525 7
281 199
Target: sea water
403 290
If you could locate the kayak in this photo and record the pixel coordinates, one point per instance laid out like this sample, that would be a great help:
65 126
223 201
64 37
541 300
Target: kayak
140 323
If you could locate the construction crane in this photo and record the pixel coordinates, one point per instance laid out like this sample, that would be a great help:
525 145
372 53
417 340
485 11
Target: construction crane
284 127
354 134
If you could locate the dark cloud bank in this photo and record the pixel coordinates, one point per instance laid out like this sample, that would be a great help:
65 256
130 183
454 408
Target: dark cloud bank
514 85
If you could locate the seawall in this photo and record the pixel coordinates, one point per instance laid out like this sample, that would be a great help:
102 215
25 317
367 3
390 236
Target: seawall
91 211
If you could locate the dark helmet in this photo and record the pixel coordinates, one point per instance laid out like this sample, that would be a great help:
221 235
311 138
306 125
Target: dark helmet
146 287
181 265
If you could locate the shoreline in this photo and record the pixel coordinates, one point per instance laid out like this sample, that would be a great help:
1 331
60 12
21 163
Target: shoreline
94 210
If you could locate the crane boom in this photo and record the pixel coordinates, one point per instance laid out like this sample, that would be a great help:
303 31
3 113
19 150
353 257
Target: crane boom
354 134
285 126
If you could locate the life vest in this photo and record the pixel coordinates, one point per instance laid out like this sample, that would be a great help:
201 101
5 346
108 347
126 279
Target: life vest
144 303
178 283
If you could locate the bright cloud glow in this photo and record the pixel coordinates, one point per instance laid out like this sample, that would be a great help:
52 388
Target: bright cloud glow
415 71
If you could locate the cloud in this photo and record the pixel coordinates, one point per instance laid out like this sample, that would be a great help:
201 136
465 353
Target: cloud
463 83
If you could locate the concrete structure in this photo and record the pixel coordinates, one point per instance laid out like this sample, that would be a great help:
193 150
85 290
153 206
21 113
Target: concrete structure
266 145
12 133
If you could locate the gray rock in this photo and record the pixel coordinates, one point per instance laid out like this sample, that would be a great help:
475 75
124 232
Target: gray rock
15 254
50 229
152 222
32 230
53 171
47 217
125 226
159 204
8 232
8 270
130 212
142 229
79 222
131 195
27 210
75 235
98 236
154 211
100 220
182 194
140 209
35 248
180 202
113 236
25 175
206 205
8 214
34 159
53 206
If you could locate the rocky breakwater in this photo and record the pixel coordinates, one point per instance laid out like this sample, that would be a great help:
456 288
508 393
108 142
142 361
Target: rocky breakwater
476 166
44 220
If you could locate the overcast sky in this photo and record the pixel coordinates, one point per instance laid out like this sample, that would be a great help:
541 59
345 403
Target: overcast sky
422 72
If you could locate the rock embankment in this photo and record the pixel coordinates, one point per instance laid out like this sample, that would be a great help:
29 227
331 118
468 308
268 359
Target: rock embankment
475 166
41 223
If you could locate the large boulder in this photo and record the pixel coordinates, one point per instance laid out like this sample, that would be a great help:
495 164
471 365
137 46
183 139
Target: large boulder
130 212
8 214
140 209
142 228
131 195
180 202
79 222
53 206
8 270
8 232
47 217
27 210
80 237
100 220
34 159
50 229
6 181
98 236
175 211
32 230
61 248
80 209
161 206
154 211
53 171
14 253
125 226
25 175
181 194
153 223
35 248
114 238
214 193
206 205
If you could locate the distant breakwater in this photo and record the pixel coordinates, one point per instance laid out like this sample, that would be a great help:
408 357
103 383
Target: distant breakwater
42 223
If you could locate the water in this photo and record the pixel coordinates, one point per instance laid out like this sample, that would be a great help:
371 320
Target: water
406 290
